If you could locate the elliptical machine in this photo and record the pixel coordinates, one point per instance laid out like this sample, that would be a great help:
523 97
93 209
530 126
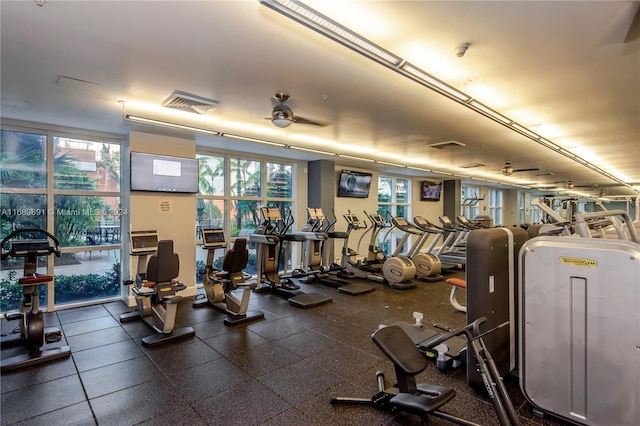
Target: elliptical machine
314 253
219 285
270 236
399 271
427 265
354 267
21 243
372 266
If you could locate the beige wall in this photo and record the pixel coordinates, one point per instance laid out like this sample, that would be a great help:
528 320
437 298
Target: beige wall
177 220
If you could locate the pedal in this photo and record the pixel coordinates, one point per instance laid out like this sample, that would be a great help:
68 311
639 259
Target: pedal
13 315
289 285
53 336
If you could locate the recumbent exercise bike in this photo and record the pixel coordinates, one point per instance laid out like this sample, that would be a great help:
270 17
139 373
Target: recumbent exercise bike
155 293
219 285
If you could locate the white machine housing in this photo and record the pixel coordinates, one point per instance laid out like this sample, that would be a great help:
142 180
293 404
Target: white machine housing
580 328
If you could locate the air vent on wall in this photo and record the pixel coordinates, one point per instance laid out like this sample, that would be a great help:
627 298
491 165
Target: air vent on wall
445 144
190 103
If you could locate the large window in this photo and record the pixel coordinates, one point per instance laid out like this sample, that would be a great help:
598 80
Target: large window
232 191
394 198
496 197
470 198
70 186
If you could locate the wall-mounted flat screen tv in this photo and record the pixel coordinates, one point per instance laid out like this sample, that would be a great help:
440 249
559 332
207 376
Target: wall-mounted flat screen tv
354 184
430 191
163 173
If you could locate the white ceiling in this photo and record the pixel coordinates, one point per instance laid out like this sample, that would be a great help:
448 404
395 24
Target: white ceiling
560 68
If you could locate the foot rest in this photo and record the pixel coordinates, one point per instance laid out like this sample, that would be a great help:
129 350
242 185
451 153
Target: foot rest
418 404
457 282
144 291
13 315
179 286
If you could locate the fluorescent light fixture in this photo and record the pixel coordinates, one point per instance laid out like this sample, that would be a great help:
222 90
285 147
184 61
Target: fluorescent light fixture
307 16
489 112
434 83
567 153
521 129
351 157
419 169
385 163
442 173
314 151
316 21
151 121
549 144
260 141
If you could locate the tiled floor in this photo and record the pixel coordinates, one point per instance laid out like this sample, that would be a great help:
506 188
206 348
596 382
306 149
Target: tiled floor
277 371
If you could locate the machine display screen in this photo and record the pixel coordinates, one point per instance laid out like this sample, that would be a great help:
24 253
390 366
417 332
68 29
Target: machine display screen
213 237
144 241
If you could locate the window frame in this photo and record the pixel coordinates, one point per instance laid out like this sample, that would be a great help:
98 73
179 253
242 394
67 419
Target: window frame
495 206
229 198
388 239
51 133
469 201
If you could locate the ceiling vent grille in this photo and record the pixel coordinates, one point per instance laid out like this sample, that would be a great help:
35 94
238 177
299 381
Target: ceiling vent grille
191 103
545 174
446 144
472 166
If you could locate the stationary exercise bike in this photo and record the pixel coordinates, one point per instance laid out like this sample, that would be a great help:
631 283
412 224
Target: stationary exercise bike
155 288
219 285
21 243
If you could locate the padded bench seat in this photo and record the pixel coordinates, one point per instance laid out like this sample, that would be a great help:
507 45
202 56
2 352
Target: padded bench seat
457 284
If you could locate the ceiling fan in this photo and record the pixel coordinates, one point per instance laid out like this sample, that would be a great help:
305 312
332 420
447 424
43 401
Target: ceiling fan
507 170
282 115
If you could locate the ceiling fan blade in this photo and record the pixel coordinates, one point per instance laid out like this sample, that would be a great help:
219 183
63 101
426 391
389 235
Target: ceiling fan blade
633 33
301 120
533 169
